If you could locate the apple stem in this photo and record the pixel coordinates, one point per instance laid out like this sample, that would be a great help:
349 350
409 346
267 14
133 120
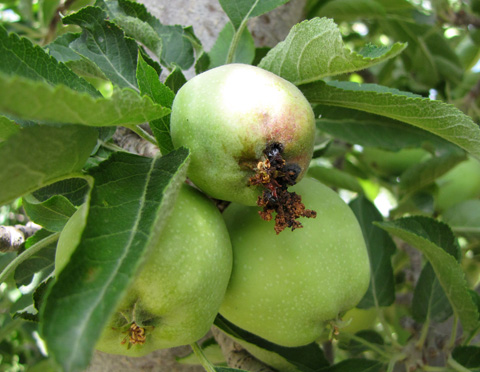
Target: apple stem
203 359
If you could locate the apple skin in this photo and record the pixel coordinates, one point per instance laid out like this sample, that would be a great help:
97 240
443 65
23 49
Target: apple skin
228 115
285 287
178 291
459 184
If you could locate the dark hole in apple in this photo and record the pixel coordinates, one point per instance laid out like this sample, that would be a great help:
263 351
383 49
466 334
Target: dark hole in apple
275 175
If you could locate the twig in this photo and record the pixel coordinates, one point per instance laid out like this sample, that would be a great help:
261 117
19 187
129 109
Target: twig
236 356
12 237
52 27
27 254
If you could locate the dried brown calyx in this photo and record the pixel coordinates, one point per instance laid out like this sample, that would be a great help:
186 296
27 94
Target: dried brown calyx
275 175
135 335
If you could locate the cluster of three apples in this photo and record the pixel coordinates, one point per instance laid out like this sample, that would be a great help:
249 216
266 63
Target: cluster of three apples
242 123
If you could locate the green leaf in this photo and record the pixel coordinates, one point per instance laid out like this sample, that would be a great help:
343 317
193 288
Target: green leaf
355 347
429 299
439 118
370 130
33 100
131 198
73 189
308 358
41 262
19 57
381 291
355 365
31 313
103 43
7 128
134 19
53 153
240 10
244 53
334 177
428 236
175 80
61 50
314 49
464 218
175 46
150 85
429 56
467 356
350 10
425 173
52 214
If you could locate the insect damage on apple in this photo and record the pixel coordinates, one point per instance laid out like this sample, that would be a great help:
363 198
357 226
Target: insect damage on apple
275 175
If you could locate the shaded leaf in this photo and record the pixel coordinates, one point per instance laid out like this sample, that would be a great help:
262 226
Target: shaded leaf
467 356
42 261
74 189
314 49
171 43
240 10
425 173
464 218
52 214
53 153
175 80
439 118
138 194
429 299
370 130
428 236
381 291
245 52
306 358
355 365
334 177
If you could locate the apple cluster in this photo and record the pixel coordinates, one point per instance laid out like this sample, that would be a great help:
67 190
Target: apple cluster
251 136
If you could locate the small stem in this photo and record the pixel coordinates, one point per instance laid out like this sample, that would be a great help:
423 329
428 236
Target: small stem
453 336
423 334
457 366
201 356
142 133
4 275
112 146
238 35
370 345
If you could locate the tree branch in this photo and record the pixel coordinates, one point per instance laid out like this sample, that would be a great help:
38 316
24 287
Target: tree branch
12 237
236 356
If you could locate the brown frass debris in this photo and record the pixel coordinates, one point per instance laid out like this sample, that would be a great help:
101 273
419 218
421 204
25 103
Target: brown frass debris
275 175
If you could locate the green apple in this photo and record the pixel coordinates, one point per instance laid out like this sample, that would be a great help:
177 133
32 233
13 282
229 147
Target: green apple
228 116
177 293
459 184
284 288
356 320
390 163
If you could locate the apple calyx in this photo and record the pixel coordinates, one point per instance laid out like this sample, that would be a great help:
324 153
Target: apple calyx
135 335
275 175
